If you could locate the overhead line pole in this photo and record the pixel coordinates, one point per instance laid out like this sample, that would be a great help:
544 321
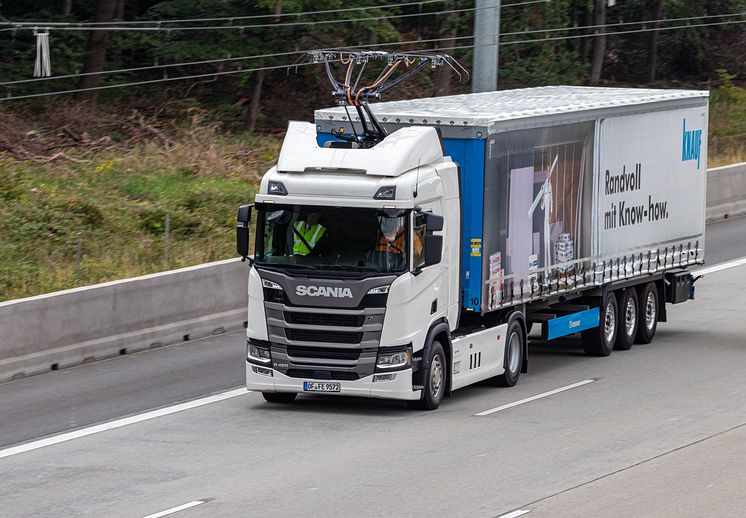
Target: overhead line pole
487 43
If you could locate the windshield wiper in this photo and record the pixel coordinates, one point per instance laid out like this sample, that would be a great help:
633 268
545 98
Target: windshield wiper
350 268
288 265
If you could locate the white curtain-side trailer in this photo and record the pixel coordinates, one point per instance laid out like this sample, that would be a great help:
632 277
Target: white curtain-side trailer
421 264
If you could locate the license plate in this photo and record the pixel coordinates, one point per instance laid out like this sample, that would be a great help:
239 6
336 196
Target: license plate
321 386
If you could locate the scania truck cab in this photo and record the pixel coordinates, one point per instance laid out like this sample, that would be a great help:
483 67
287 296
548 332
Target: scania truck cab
354 287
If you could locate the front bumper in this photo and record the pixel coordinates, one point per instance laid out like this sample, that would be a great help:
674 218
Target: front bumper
399 388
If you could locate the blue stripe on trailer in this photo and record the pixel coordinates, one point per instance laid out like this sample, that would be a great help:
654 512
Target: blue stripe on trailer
569 324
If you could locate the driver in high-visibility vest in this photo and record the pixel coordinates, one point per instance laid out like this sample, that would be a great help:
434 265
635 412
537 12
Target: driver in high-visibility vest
393 238
307 233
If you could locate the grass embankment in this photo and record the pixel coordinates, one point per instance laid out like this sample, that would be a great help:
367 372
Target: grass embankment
117 201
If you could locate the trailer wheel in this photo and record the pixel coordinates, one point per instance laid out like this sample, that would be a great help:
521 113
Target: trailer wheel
435 380
600 340
514 347
629 319
279 397
648 314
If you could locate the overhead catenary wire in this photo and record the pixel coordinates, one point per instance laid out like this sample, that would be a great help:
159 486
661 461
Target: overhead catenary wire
275 67
231 19
578 36
374 45
150 81
116 26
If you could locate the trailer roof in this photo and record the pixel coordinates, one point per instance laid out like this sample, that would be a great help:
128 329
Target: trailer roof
485 109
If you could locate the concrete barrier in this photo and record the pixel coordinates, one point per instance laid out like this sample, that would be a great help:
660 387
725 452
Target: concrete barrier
726 191
70 327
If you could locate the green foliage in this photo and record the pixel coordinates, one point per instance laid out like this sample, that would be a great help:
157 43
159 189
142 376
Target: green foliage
118 206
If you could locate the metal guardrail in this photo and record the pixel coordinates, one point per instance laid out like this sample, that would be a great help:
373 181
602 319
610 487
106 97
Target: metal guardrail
726 191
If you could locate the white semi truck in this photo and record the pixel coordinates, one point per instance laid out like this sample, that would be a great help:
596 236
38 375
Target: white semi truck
417 264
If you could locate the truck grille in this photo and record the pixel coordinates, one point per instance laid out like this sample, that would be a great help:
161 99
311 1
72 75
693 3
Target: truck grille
312 374
323 353
324 319
334 337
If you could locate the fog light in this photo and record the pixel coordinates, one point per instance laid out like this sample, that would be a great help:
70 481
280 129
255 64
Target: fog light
384 377
262 371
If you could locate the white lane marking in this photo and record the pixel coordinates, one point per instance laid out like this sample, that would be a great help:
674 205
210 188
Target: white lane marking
83 432
721 266
178 508
534 398
514 514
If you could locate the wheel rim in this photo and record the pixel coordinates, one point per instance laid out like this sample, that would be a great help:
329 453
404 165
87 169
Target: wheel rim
650 311
514 352
436 376
630 317
609 322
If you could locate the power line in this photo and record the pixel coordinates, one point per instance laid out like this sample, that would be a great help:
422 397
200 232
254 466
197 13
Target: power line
152 67
620 24
146 82
227 18
223 60
253 26
279 54
459 47
578 36
117 26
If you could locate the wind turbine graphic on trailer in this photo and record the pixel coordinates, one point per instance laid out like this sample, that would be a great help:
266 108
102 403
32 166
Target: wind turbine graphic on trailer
544 197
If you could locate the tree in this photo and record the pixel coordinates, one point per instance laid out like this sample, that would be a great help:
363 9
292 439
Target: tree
94 61
599 42
653 50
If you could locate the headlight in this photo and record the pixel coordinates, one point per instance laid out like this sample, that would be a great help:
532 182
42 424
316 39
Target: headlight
400 358
259 353
271 285
379 290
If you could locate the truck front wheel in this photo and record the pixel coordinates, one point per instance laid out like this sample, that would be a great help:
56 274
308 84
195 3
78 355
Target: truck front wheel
600 341
514 347
278 397
435 380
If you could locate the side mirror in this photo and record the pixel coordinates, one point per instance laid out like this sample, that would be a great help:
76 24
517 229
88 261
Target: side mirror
242 230
433 249
244 213
434 222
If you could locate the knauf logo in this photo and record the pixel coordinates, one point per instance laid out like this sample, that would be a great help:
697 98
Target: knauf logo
691 145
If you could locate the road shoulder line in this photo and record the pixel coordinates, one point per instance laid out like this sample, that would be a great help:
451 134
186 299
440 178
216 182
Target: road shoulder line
118 423
534 398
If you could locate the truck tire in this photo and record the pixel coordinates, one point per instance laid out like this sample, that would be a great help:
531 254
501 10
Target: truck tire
435 380
600 341
648 314
279 397
515 345
629 319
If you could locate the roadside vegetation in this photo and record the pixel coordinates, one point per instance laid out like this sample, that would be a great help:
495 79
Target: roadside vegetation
89 217
727 123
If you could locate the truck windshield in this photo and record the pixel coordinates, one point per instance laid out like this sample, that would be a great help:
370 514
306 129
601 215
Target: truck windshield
332 238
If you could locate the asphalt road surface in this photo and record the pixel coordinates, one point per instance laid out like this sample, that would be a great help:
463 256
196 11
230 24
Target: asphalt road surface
659 430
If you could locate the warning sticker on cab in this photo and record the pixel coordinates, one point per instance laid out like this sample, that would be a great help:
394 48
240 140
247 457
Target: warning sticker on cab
476 247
